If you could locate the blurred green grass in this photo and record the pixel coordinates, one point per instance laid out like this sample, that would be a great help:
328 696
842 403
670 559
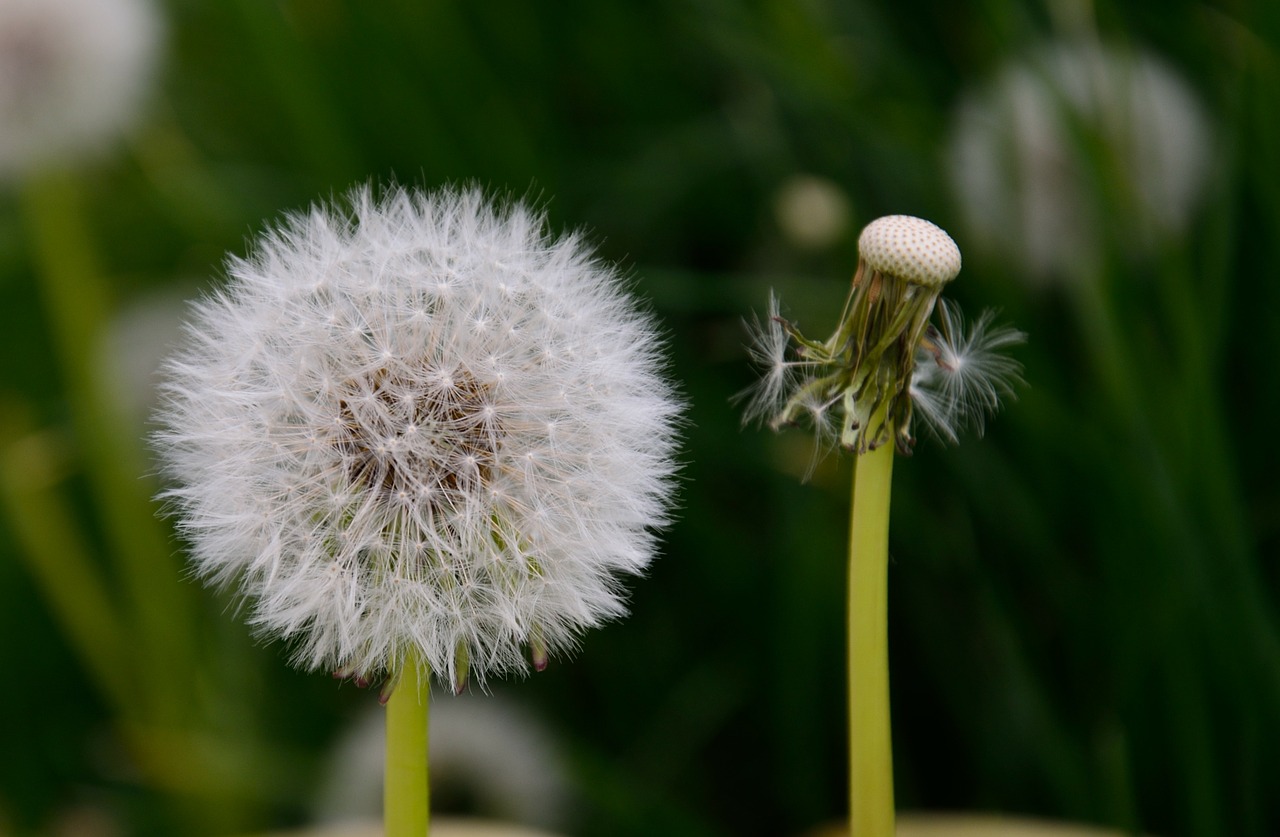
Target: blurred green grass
1083 603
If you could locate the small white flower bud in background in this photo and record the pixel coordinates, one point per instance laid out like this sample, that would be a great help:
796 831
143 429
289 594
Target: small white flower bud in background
421 427
73 74
136 342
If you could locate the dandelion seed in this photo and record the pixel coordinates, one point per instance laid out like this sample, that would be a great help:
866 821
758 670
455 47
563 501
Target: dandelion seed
769 348
386 481
962 373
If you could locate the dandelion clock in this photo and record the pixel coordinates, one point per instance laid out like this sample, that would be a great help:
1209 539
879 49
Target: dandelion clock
422 436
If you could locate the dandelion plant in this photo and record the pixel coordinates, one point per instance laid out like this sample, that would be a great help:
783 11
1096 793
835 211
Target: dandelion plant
425 438
886 363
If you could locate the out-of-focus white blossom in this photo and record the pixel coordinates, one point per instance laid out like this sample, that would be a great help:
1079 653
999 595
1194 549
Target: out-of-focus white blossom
1078 145
420 423
72 76
134 346
490 757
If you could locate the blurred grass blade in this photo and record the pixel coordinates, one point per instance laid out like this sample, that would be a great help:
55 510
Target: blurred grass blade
51 544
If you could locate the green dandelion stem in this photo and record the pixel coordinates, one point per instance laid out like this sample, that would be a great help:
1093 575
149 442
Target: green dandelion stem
870 753
406 793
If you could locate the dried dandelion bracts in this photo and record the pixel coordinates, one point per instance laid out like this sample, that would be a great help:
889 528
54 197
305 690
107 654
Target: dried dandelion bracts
885 356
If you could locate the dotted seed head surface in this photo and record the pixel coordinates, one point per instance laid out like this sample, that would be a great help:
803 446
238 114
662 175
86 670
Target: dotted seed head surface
911 249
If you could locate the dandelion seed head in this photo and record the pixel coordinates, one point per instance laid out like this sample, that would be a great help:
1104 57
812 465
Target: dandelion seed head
377 474
885 362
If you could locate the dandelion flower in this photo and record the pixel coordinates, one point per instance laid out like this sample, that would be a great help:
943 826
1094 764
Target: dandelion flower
421 429
885 360
885 363
72 74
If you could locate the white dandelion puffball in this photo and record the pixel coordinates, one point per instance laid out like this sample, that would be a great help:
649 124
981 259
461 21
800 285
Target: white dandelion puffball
424 426
72 75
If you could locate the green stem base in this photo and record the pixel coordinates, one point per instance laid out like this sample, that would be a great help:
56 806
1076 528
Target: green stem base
870 747
406 793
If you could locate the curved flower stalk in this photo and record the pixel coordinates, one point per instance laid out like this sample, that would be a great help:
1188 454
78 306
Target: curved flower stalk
425 437
885 363
72 74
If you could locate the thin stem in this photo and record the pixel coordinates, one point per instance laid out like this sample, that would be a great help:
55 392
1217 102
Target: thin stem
406 795
870 746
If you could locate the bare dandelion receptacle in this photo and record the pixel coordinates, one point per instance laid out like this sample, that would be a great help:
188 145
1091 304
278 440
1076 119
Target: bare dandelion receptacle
911 249
861 386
